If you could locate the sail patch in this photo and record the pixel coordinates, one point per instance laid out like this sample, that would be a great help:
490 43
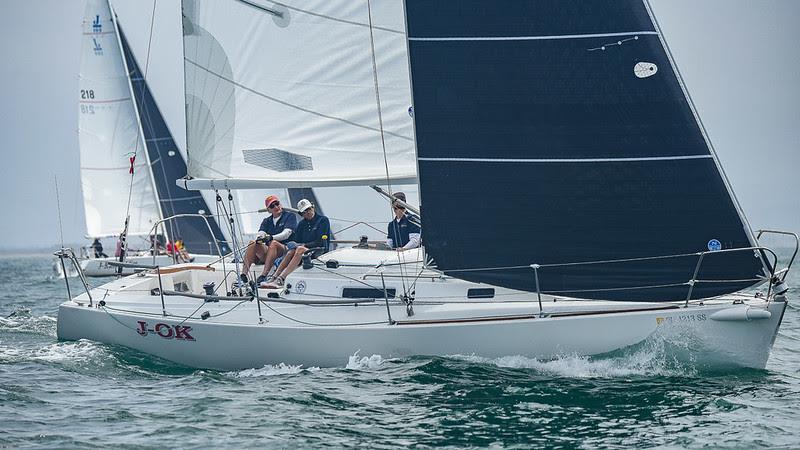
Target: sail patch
277 160
714 245
645 69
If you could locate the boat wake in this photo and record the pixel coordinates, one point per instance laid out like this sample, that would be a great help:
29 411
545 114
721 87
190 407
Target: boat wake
655 357
59 352
270 370
354 362
21 320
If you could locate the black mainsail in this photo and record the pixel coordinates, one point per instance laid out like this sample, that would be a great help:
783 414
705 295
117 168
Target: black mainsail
556 132
167 165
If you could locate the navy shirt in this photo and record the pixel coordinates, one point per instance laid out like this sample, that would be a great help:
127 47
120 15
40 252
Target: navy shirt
309 232
399 231
286 220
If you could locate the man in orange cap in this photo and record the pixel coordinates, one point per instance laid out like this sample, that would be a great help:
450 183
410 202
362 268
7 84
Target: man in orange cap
270 241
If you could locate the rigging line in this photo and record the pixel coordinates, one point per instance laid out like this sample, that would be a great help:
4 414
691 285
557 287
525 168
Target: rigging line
202 303
319 324
238 257
291 105
235 213
383 139
138 137
324 269
215 315
607 261
353 225
58 204
105 310
237 238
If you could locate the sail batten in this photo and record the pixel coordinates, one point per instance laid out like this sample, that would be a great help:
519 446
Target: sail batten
530 38
567 160
574 145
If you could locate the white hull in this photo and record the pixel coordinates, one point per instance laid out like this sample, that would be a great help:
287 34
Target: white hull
246 345
730 331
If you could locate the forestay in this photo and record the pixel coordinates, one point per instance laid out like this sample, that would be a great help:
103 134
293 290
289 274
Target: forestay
284 94
553 132
109 135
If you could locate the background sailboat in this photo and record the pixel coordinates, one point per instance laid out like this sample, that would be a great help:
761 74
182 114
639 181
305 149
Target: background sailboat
127 152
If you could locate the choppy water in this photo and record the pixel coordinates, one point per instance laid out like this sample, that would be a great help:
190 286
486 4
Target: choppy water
84 394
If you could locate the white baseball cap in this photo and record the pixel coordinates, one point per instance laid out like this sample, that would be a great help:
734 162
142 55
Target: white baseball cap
303 205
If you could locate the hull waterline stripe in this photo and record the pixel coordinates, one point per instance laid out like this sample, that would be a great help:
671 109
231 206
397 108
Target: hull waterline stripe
567 160
530 38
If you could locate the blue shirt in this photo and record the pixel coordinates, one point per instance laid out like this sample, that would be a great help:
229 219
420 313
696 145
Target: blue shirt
286 220
309 232
399 231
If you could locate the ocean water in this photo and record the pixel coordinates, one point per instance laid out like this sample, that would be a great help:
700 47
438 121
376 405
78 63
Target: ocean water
85 394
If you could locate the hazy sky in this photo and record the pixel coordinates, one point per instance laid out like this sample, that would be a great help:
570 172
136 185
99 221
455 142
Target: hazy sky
739 58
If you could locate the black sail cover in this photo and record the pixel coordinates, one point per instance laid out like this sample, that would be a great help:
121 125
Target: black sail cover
167 165
554 132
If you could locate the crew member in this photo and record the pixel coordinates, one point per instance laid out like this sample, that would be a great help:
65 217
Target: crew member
97 246
311 235
403 232
270 243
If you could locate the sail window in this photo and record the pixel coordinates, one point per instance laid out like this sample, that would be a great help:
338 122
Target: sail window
277 160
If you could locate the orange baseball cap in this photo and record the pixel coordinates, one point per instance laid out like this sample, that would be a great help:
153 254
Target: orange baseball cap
270 200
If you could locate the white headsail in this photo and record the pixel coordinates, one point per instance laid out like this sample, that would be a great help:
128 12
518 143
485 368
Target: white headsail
109 134
284 94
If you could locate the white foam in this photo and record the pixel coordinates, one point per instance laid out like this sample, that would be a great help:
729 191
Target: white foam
355 362
270 370
79 351
22 320
9 323
649 360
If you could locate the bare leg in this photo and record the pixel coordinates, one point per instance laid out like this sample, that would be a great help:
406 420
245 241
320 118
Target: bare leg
296 258
275 250
285 262
255 252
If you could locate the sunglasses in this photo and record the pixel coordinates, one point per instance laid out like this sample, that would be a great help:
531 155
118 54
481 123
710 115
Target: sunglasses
397 208
274 205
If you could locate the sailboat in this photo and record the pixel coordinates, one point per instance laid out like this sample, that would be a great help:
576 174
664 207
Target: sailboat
571 202
129 160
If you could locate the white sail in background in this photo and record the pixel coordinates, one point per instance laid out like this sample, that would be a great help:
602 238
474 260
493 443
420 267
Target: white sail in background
109 134
284 95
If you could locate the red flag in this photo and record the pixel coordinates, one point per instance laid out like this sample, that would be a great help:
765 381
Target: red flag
132 158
